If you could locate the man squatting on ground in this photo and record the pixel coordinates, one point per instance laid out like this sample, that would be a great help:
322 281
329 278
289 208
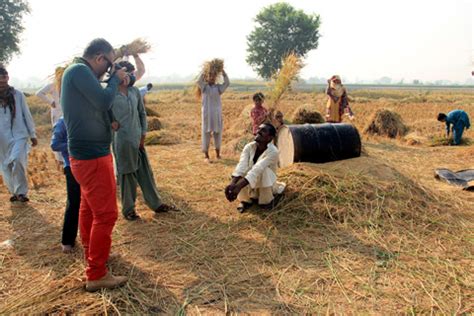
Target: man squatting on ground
16 126
255 177
86 106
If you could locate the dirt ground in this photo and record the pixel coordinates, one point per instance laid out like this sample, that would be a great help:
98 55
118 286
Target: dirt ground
372 235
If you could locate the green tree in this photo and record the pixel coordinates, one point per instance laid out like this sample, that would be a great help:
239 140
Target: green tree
280 30
11 26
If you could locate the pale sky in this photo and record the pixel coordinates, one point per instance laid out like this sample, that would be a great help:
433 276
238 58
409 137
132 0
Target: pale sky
361 40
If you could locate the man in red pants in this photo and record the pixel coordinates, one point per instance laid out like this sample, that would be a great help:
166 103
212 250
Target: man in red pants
86 105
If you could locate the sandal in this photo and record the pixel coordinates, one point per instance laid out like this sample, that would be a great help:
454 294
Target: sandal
22 198
164 208
132 217
243 206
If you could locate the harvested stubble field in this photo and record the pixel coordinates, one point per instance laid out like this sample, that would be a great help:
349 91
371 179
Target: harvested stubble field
372 235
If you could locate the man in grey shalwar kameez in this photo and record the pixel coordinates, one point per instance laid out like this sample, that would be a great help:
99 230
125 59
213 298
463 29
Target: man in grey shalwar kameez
16 126
211 112
131 159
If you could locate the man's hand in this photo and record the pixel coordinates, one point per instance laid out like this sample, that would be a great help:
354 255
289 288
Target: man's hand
115 126
53 104
121 73
230 192
34 142
142 142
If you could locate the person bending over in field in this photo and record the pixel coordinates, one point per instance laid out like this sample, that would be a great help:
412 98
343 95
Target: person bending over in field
254 178
259 113
337 101
131 158
145 90
459 121
211 111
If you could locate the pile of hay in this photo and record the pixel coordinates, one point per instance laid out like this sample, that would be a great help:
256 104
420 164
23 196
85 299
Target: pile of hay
240 132
161 138
386 123
151 112
153 123
304 114
414 139
138 46
435 141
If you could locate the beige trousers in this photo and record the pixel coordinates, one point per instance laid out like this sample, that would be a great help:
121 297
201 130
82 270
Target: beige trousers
264 195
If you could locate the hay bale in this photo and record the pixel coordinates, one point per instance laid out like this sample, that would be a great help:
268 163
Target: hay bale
304 114
153 123
150 112
386 123
161 138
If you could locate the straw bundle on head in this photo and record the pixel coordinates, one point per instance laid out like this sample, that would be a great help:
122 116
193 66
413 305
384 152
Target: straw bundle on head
138 46
211 70
288 73
304 114
386 123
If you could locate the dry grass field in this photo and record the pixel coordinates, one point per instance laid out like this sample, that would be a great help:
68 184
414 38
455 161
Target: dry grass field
372 235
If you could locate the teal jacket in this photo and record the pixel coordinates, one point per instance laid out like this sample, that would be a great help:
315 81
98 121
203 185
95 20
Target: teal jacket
86 106
458 119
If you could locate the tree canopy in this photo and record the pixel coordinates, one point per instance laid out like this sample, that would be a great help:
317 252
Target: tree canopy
11 26
280 30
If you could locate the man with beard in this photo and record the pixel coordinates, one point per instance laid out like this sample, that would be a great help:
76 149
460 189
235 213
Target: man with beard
254 178
86 107
337 101
16 126
131 159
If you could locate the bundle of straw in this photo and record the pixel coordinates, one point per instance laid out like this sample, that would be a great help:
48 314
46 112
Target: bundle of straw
138 46
282 81
58 76
211 70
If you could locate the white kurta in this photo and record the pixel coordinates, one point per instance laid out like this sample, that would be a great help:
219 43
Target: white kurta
263 173
14 145
49 94
211 111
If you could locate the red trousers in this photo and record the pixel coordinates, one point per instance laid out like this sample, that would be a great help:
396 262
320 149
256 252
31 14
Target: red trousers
98 211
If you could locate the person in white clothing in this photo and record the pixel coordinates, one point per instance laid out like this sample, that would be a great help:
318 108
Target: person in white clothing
254 178
50 94
211 114
16 127
145 90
